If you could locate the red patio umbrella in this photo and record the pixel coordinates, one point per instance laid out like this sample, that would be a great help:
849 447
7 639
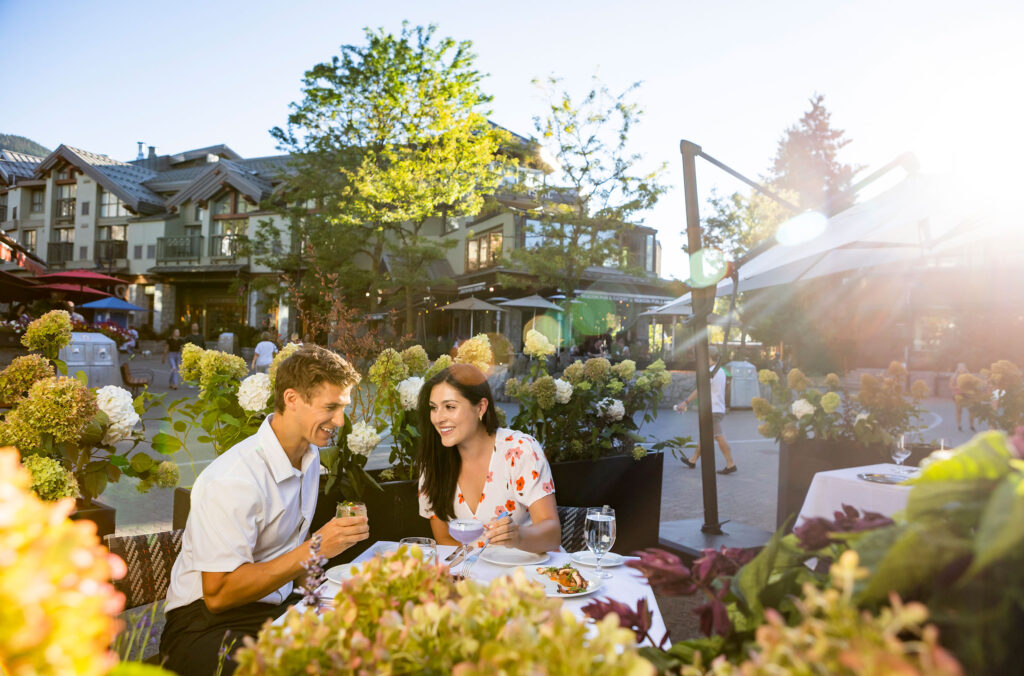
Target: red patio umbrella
76 292
83 277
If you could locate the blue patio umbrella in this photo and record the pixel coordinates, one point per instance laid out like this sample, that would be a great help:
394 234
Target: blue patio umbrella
113 304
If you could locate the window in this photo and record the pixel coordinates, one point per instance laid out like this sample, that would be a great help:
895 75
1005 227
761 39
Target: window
111 206
483 251
28 240
85 208
137 252
197 214
108 232
63 174
14 213
151 251
38 198
64 235
649 253
83 252
231 203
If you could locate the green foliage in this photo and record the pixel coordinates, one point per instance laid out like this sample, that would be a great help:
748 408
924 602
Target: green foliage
590 412
585 221
22 144
398 615
997 399
389 135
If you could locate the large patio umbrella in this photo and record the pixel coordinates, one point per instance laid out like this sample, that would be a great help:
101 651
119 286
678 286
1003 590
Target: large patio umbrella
114 305
17 288
75 291
83 277
472 304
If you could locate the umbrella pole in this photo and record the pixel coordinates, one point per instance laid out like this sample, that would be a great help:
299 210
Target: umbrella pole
470 323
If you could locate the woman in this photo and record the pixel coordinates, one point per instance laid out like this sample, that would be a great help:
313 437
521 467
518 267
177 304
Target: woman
958 397
172 354
263 355
472 469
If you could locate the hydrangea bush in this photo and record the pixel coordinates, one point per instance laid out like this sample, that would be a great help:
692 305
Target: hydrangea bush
878 414
92 433
591 410
398 615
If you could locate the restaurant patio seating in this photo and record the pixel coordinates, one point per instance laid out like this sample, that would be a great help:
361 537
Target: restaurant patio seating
135 381
149 559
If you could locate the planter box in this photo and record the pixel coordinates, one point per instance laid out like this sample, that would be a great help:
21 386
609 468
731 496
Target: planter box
801 460
100 514
631 487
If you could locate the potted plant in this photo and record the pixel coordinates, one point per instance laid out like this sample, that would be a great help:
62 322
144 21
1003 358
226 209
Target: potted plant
832 429
91 433
997 398
586 422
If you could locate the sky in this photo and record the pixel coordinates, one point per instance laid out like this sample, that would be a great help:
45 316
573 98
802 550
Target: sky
939 78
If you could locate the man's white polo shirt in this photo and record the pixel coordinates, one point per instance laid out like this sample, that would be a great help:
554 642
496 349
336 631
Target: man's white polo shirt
249 505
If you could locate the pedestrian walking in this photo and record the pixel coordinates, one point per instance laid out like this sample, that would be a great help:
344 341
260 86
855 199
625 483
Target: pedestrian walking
263 355
717 413
172 355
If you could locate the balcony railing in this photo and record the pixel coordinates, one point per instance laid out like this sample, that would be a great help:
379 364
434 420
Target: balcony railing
60 252
65 210
224 246
179 249
111 250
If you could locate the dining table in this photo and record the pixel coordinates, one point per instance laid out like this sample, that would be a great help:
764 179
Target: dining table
831 490
625 584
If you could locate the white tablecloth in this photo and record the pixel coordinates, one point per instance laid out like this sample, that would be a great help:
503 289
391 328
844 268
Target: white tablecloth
829 491
625 585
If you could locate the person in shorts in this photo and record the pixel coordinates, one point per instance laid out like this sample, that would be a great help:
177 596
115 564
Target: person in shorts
717 413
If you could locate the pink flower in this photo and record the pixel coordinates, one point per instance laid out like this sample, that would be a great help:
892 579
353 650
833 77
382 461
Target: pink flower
548 486
490 477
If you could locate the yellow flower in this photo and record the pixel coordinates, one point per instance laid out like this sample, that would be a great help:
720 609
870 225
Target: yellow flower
830 402
477 352
897 370
919 389
57 607
537 344
389 369
61 407
625 370
833 382
49 333
574 372
767 377
544 390
286 351
50 480
762 407
214 364
23 372
443 362
416 360
191 354
790 433
596 369
797 380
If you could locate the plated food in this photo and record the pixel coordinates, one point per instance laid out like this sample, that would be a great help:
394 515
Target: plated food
568 579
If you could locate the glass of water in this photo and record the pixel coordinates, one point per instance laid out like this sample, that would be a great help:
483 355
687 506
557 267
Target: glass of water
900 452
427 545
599 531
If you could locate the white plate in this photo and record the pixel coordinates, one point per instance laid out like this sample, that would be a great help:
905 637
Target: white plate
551 587
508 556
587 558
343 572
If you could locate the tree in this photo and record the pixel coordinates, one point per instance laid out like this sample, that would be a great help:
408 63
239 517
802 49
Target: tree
583 222
807 163
389 136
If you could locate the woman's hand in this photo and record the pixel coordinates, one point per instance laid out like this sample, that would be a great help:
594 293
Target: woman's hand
502 532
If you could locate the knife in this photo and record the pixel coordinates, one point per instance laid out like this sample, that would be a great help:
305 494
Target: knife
458 550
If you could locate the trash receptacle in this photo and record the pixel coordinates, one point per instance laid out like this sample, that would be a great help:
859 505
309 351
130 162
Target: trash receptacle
226 342
96 355
744 384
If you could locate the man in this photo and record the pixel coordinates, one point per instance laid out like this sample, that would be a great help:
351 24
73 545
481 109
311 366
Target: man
195 337
717 413
246 534
75 315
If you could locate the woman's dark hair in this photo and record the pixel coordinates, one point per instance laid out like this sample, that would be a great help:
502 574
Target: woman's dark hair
440 466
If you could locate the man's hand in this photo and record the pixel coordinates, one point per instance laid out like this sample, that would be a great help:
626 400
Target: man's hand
681 406
339 534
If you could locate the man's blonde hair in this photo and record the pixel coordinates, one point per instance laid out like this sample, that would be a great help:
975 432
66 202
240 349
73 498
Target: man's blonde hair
309 367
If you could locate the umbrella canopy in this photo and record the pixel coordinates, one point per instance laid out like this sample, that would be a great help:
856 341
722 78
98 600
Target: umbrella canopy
533 302
472 303
114 304
86 277
15 288
72 289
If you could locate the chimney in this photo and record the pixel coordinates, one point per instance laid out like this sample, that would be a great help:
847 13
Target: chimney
141 156
152 152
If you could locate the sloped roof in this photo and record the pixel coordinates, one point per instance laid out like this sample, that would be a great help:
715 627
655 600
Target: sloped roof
175 179
14 165
220 150
123 179
220 175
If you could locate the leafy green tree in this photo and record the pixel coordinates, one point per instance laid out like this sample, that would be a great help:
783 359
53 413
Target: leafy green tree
583 222
390 139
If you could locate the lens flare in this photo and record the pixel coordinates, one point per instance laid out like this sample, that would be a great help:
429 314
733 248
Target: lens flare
707 268
801 229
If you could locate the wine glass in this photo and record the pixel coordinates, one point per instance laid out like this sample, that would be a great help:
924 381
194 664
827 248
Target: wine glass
599 531
900 452
466 531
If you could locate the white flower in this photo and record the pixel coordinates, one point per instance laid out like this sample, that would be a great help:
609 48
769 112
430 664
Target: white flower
363 438
537 344
860 416
117 403
563 391
802 407
611 408
254 392
409 392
